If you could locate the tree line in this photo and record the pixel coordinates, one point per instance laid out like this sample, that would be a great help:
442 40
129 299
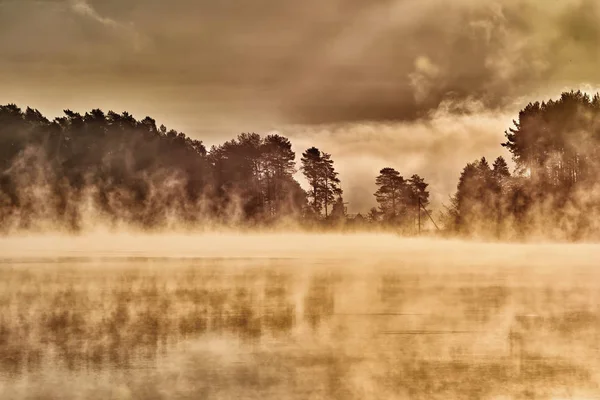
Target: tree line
125 171
78 169
554 189
57 173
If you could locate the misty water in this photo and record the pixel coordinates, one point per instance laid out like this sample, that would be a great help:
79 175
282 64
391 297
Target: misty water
341 317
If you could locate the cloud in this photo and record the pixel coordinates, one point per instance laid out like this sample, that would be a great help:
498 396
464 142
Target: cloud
436 147
425 78
85 9
336 61
82 7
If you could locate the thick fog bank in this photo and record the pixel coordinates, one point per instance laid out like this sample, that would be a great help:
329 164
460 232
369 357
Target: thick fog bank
359 247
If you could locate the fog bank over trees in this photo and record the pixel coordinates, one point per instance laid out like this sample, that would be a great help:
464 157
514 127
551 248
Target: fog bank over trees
79 170
555 188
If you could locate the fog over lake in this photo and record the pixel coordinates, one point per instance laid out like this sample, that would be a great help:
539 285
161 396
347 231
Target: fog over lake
301 316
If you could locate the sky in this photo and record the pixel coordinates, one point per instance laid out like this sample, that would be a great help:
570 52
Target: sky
423 86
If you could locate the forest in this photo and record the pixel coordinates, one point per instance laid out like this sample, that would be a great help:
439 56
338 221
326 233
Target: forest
73 171
554 190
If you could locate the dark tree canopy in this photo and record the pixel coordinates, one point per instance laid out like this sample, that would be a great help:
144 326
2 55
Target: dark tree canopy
500 168
391 192
75 170
400 201
557 143
325 189
556 149
122 170
311 168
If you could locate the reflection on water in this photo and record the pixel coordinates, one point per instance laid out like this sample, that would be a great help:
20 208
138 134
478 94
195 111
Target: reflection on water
201 328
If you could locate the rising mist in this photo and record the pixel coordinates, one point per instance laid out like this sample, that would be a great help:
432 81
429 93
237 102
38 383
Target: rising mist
383 199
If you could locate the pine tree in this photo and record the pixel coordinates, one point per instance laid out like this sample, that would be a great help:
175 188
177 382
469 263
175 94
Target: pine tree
500 168
312 162
320 173
391 192
331 183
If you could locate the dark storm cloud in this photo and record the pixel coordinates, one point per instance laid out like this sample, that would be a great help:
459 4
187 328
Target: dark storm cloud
313 61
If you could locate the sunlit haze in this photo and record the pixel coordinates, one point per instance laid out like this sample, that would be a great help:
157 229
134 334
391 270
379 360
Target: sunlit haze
314 199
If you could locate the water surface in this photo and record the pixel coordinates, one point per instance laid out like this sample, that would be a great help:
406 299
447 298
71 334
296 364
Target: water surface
407 324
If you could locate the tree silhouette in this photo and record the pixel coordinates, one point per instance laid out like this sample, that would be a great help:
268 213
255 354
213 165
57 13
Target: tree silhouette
557 143
500 168
418 195
324 183
391 193
124 170
311 168
400 201
473 197
280 188
501 183
331 190
129 171
338 211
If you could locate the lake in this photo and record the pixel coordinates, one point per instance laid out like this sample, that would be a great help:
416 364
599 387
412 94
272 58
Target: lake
297 317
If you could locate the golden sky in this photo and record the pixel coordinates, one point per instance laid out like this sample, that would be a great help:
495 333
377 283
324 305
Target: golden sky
420 85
